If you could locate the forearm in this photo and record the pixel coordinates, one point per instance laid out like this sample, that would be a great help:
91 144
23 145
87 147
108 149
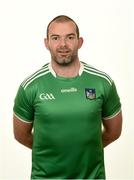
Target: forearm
108 137
26 140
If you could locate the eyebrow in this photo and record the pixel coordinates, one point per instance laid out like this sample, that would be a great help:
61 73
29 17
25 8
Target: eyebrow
71 34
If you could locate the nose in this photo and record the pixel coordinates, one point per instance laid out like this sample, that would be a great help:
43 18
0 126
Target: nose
62 41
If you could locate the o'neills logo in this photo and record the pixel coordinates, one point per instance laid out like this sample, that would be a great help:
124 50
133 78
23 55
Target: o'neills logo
69 90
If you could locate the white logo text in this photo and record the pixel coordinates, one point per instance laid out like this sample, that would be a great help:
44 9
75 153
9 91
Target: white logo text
69 90
46 96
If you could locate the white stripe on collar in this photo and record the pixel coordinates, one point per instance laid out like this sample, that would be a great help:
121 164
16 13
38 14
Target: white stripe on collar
54 74
51 69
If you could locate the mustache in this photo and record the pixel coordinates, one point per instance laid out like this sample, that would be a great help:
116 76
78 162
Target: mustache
63 49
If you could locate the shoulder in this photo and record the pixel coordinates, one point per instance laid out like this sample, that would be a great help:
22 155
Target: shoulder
98 75
34 77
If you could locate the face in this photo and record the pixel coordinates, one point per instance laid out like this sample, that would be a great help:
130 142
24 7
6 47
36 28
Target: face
63 42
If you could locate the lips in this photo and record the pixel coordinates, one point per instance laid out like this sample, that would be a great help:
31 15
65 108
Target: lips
63 51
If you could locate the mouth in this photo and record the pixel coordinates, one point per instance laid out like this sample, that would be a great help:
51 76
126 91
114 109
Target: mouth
63 53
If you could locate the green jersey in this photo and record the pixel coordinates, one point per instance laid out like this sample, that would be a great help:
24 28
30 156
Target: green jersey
67 115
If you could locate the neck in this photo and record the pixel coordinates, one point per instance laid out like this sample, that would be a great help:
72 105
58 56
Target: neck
70 70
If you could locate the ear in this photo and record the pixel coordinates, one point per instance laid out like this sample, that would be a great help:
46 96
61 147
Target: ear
80 42
46 43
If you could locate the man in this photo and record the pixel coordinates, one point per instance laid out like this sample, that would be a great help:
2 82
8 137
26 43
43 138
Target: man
59 110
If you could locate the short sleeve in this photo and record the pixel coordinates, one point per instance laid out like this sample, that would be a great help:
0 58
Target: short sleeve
22 107
111 105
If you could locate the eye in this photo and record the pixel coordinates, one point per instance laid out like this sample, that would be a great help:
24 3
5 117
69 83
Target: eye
70 37
55 38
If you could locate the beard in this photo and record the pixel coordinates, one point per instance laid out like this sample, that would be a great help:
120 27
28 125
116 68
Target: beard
64 59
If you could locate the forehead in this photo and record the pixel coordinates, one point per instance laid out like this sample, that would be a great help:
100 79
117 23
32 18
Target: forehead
62 28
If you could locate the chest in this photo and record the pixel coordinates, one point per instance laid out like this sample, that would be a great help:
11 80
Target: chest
66 98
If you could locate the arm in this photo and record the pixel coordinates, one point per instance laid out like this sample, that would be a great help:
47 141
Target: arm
112 129
23 132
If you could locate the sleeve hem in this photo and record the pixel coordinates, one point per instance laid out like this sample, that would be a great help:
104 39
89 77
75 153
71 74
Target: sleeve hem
112 116
26 121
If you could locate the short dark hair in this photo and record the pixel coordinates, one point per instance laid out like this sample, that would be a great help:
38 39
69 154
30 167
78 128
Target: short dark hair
63 18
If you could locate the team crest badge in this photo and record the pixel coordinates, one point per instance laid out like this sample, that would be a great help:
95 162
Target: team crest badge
90 93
